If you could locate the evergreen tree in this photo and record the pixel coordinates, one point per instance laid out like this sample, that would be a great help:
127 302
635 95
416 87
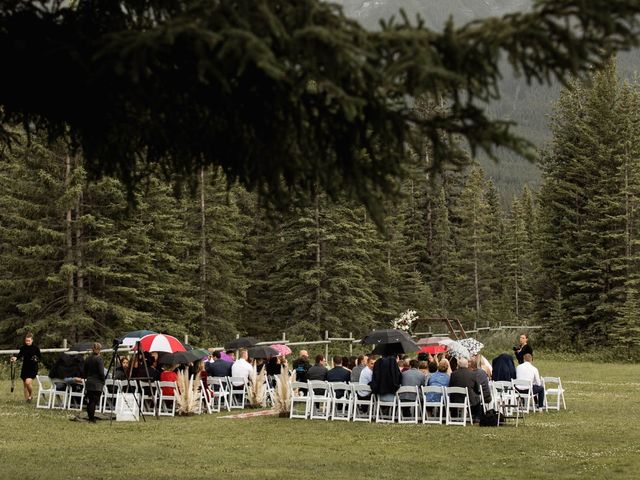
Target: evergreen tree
472 245
586 200
31 241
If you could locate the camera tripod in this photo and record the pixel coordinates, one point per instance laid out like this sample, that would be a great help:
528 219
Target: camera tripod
139 358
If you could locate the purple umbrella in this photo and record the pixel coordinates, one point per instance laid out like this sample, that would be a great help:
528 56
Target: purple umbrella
226 356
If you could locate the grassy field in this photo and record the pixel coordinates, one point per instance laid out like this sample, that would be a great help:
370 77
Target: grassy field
597 437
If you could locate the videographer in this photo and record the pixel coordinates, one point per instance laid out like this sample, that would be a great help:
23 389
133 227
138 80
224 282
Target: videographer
522 349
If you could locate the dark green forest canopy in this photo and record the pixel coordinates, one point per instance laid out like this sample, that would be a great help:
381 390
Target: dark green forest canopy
286 96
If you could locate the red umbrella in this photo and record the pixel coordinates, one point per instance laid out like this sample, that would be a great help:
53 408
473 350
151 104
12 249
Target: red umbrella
433 349
158 342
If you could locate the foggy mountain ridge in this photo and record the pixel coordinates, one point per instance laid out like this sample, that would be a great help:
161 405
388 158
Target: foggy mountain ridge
528 105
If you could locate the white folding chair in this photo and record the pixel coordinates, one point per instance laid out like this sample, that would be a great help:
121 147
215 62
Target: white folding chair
385 409
218 394
75 395
59 395
46 390
553 387
505 400
109 395
463 408
269 382
362 407
432 400
406 404
485 406
167 402
299 396
148 397
238 391
523 392
342 404
320 393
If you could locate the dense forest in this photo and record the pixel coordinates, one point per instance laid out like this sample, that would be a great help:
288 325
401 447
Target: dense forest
87 259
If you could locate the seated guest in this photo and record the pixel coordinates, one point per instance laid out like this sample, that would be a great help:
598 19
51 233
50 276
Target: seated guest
404 365
412 377
241 368
423 366
143 368
168 375
453 364
367 375
319 370
218 367
527 371
345 363
503 368
274 367
386 378
361 363
483 380
439 378
122 372
301 366
465 378
338 373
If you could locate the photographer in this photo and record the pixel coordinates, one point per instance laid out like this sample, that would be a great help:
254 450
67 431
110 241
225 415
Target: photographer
522 349
30 355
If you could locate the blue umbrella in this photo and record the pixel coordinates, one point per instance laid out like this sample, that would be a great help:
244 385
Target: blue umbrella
130 338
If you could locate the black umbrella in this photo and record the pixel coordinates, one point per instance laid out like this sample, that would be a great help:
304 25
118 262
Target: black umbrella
393 348
177 358
263 351
81 347
241 342
401 339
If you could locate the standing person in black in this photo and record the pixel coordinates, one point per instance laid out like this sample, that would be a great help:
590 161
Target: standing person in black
94 380
30 355
522 349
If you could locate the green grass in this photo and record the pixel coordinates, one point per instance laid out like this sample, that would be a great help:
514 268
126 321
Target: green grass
597 437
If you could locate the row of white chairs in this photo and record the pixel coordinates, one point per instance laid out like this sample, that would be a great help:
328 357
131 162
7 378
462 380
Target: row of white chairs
518 395
341 401
58 394
355 402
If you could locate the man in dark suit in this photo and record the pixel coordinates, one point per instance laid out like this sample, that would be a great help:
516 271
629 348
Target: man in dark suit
318 371
218 367
338 373
463 377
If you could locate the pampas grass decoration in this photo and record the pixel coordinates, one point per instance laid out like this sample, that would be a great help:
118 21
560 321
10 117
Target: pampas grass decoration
188 394
282 393
257 390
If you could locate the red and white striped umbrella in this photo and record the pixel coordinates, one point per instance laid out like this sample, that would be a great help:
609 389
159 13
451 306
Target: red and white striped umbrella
158 342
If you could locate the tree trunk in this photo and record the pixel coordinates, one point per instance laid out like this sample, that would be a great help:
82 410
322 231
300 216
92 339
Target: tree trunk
68 234
318 259
79 254
476 279
203 252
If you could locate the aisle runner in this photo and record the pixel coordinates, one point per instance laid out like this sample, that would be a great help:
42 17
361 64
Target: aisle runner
260 413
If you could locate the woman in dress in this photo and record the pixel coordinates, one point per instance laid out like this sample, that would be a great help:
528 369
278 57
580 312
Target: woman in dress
30 355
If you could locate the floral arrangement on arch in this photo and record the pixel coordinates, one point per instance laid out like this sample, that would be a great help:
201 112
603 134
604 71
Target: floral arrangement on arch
405 320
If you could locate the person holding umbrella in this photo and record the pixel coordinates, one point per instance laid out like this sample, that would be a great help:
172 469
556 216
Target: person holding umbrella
30 355
94 380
